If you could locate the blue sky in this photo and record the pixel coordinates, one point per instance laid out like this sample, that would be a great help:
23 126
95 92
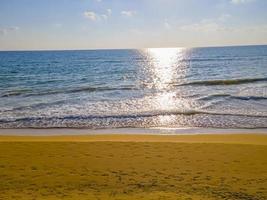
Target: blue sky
90 24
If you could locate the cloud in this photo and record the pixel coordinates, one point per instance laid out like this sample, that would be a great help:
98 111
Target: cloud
202 26
109 11
4 31
13 28
217 27
136 31
95 17
241 1
128 13
90 15
167 25
105 17
256 28
208 25
224 17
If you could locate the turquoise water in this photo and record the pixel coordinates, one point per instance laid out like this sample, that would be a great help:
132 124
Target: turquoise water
222 87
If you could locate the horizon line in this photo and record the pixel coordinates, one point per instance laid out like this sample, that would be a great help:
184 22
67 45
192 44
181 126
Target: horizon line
95 49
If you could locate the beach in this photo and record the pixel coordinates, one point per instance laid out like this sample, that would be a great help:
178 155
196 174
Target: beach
132 124
120 166
133 100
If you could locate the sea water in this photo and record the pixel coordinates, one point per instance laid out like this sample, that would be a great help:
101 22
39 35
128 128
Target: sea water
218 87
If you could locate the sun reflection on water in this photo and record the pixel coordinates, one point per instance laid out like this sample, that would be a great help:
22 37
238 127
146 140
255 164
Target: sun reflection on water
163 65
165 68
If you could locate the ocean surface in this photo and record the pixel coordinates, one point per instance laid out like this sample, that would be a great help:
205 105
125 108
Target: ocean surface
219 87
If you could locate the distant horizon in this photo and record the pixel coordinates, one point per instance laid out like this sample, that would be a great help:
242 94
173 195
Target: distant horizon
91 49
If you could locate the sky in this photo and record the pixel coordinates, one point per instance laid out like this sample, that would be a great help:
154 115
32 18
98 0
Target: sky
112 24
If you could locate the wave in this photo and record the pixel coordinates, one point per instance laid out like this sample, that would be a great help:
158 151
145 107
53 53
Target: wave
67 91
228 96
255 98
220 58
34 106
88 117
224 82
29 92
211 59
128 116
15 93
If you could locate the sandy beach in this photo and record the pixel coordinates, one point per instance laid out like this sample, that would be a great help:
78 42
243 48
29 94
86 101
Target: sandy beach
134 167
133 100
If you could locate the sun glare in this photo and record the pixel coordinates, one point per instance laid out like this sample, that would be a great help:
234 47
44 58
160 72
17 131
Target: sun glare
164 63
164 68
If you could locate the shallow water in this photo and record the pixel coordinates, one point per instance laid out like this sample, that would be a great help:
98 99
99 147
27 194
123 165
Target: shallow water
223 87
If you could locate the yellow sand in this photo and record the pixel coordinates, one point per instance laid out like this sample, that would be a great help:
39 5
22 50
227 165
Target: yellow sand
257 139
134 167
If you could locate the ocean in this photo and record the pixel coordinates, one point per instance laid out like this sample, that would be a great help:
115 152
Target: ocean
215 87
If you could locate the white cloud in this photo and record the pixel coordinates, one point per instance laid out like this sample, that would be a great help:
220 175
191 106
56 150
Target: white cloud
136 31
13 28
105 17
167 25
202 26
256 28
94 16
128 13
224 17
208 25
109 11
90 15
241 1
217 27
4 31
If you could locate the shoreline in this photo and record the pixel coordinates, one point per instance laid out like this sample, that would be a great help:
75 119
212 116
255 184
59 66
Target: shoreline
126 131
243 139
185 135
